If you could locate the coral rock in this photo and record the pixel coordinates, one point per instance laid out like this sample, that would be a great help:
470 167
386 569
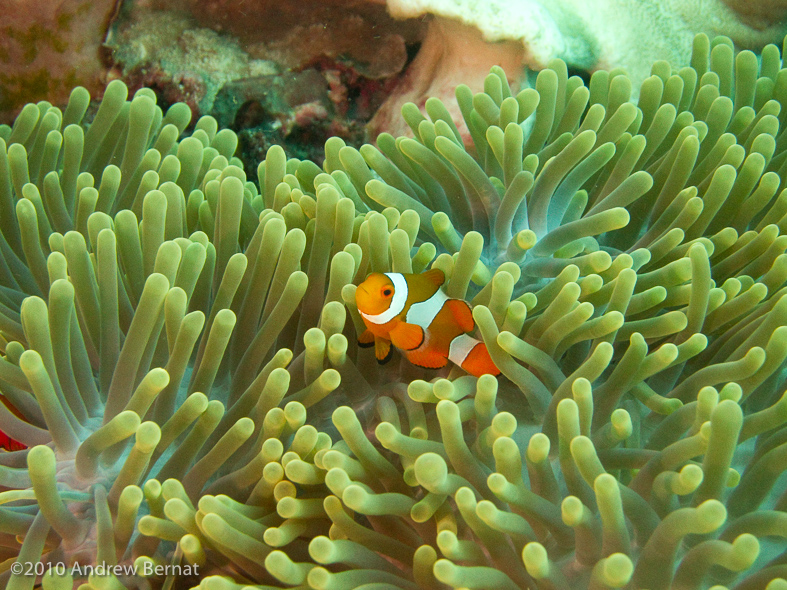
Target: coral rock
47 48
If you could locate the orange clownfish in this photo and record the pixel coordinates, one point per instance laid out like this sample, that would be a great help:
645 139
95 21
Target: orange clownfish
413 313
6 442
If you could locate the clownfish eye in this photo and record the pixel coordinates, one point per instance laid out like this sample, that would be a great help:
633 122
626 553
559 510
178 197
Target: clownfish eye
387 292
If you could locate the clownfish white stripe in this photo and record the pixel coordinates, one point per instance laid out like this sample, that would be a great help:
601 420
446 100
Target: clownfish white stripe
423 314
398 300
460 347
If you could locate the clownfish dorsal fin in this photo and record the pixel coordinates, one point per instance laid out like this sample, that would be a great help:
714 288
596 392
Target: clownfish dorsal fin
462 314
435 276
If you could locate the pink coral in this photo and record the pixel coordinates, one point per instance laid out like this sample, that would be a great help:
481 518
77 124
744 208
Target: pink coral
452 53
466 37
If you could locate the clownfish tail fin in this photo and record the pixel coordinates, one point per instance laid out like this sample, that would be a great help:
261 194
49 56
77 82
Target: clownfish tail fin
472 355
478 362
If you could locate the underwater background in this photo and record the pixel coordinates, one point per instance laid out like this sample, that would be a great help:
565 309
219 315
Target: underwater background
191 193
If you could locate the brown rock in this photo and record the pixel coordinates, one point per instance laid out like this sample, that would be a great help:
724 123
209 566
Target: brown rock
49 46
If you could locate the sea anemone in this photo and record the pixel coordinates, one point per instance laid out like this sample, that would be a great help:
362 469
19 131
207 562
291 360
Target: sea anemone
181 345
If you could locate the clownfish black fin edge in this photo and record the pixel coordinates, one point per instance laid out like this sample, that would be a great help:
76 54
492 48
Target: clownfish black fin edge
366 340
388 357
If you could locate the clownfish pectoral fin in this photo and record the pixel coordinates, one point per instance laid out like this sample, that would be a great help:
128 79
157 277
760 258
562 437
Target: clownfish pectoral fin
382 350
462 314
407 336
366 340
435 276
427 359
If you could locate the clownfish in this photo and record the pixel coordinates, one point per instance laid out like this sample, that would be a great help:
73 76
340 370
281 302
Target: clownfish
6 442
413 313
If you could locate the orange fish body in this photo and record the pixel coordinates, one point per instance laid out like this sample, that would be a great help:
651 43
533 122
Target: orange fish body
411 312
6 442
